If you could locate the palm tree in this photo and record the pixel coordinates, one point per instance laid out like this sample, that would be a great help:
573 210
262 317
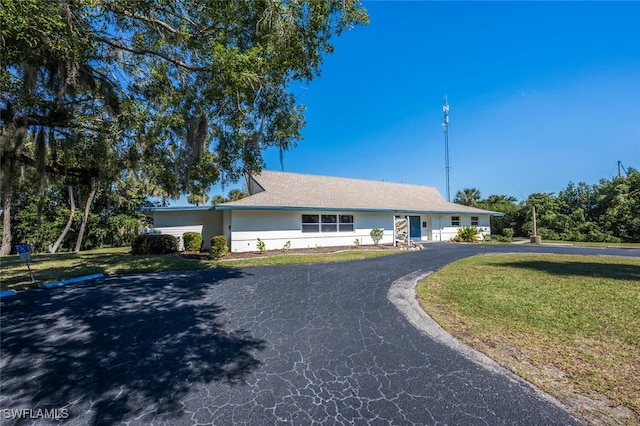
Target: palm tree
237 194
468 197
198 199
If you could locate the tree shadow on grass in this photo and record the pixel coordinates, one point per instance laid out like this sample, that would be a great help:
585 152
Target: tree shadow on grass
592 270
120 347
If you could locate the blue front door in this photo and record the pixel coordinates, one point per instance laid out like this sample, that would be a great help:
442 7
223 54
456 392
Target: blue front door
414 224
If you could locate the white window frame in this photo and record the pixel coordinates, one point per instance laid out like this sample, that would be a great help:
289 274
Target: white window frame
326 222
455 220
475 219
308 227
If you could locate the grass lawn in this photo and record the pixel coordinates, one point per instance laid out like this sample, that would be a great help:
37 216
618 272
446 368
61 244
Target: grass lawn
589 244
568 324
570 243
53 267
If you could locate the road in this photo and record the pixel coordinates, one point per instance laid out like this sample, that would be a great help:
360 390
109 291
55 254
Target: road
303 345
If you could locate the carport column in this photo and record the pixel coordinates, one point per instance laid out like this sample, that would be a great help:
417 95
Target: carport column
393 228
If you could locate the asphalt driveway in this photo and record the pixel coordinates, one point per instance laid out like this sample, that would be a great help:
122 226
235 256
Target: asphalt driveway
310 344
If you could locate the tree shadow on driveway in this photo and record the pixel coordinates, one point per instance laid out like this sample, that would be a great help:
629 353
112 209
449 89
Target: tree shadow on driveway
121 346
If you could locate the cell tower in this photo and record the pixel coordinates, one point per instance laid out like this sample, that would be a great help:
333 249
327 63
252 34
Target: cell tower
445 127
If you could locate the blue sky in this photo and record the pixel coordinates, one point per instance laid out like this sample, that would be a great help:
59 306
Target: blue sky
540 94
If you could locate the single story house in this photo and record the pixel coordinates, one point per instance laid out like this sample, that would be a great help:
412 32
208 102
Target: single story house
302 211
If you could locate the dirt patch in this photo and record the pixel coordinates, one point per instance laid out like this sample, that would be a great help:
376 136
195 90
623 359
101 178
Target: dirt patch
203 255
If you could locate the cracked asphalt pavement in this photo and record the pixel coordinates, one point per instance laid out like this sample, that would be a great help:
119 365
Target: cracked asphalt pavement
307 344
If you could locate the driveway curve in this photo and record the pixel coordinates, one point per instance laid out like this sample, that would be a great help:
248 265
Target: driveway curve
308 344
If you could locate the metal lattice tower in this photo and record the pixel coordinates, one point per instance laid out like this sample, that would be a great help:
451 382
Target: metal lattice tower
445 127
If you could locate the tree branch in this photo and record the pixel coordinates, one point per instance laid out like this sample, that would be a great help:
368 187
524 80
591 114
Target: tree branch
144 51
149 20
82 173
56 119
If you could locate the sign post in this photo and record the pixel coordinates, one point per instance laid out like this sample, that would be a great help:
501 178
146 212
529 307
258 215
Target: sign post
25 256
401 232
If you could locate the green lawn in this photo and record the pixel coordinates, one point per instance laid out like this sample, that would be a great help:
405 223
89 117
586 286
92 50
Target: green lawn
59 266
568 324
589 244
572 243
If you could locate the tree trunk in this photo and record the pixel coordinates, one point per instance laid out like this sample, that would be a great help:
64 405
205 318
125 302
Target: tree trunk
55 246
87 207
8 174
6 224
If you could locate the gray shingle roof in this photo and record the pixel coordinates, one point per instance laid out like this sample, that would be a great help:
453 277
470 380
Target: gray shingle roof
286 191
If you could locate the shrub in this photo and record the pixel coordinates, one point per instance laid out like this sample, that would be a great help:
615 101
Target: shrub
507 235
356 243
376 235
218 247
154 244
467 234
192 241
287 245
261 246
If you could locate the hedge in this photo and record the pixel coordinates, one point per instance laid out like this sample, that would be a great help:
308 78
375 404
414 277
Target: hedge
154 244
192 241
218 247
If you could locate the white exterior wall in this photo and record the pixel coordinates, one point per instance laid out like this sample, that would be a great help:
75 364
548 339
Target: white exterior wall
226 226
176 223
276 228
442 230
242 228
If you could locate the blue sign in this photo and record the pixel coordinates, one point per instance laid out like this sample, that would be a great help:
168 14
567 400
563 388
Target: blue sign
23 251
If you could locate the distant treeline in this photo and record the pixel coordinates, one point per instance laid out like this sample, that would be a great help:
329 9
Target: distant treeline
606 212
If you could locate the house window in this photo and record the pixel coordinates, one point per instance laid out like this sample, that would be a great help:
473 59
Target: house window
310 223
327 223
474 220
345 223
455 220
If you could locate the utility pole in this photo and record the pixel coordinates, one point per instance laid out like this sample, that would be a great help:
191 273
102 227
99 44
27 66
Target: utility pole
445 127
535 238
620 166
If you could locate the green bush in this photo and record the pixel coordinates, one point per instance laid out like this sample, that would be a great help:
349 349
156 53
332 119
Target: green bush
192 241
218 247
376 235
467 234
154 244
508 233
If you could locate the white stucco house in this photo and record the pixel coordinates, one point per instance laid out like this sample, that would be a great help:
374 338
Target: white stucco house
302 211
